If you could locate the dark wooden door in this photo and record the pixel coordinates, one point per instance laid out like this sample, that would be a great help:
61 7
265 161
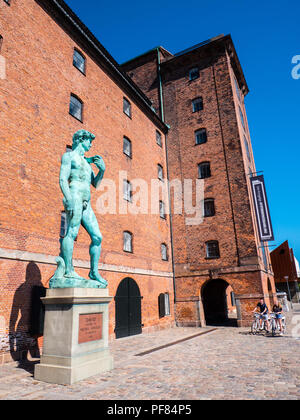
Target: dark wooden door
128 309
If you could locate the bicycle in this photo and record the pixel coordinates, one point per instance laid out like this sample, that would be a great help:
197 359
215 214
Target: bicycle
275 324
256 326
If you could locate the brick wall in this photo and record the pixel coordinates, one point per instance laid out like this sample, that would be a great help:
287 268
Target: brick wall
35 129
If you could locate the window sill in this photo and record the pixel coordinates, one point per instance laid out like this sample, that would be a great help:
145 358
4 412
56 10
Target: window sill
212 258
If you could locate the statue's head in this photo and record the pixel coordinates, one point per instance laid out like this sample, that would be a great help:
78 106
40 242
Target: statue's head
83 136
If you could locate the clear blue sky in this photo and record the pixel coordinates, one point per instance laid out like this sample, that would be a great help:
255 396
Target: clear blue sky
266 35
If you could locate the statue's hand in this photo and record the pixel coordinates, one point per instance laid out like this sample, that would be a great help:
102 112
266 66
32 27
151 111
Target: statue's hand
70 208
99 162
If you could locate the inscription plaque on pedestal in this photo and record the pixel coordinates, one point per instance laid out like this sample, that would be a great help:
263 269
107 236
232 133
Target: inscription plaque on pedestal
90 327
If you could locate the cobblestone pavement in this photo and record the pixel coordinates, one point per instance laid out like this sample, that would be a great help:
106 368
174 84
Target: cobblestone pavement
228 363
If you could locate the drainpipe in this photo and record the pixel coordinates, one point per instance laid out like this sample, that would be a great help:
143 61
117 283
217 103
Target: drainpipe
167 162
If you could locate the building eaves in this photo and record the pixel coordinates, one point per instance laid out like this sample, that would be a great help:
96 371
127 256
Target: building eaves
104 56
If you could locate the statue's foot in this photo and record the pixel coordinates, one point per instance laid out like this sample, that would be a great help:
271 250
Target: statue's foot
73 275
97 277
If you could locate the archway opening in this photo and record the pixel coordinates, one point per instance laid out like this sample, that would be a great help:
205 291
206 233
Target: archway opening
219 303
128 309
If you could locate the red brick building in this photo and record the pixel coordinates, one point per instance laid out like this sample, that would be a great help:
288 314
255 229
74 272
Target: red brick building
200 94
286 271
52 58
56 81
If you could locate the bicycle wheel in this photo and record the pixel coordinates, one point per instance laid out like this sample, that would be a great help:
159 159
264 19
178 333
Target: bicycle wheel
273 327
254 327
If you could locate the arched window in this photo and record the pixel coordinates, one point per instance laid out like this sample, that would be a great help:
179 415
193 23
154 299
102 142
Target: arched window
200 136
127 107
197 104
164 252
212 249
209 207
76 107
127 241
79 61
204 170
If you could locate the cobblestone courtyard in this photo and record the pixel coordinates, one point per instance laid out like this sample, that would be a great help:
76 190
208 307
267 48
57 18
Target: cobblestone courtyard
227 363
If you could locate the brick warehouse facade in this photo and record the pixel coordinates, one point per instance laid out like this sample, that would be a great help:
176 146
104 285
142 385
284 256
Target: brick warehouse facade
36 128
216 134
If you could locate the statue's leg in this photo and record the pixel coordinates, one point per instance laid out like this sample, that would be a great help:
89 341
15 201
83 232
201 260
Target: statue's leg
90 223
67 244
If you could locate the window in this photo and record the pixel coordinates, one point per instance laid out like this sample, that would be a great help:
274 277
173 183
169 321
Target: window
160 172
212 249
127 190
209 207
242 117
162 211
76 107
79 61
164 305
68 149
194 73
158 138
1 42
197 104
201 136
127 147
237 89
232 297
164 252
63 224
7 2
247 148
127 107
204 170
127 242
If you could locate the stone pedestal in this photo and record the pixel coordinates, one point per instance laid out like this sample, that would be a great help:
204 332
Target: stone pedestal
75 336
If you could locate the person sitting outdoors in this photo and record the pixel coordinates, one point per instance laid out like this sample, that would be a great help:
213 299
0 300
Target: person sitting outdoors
277 309
264 311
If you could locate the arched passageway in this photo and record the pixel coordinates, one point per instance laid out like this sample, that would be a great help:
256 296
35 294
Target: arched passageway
217 298
128 309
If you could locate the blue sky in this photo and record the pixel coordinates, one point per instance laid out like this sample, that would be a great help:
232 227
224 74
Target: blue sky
266 35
